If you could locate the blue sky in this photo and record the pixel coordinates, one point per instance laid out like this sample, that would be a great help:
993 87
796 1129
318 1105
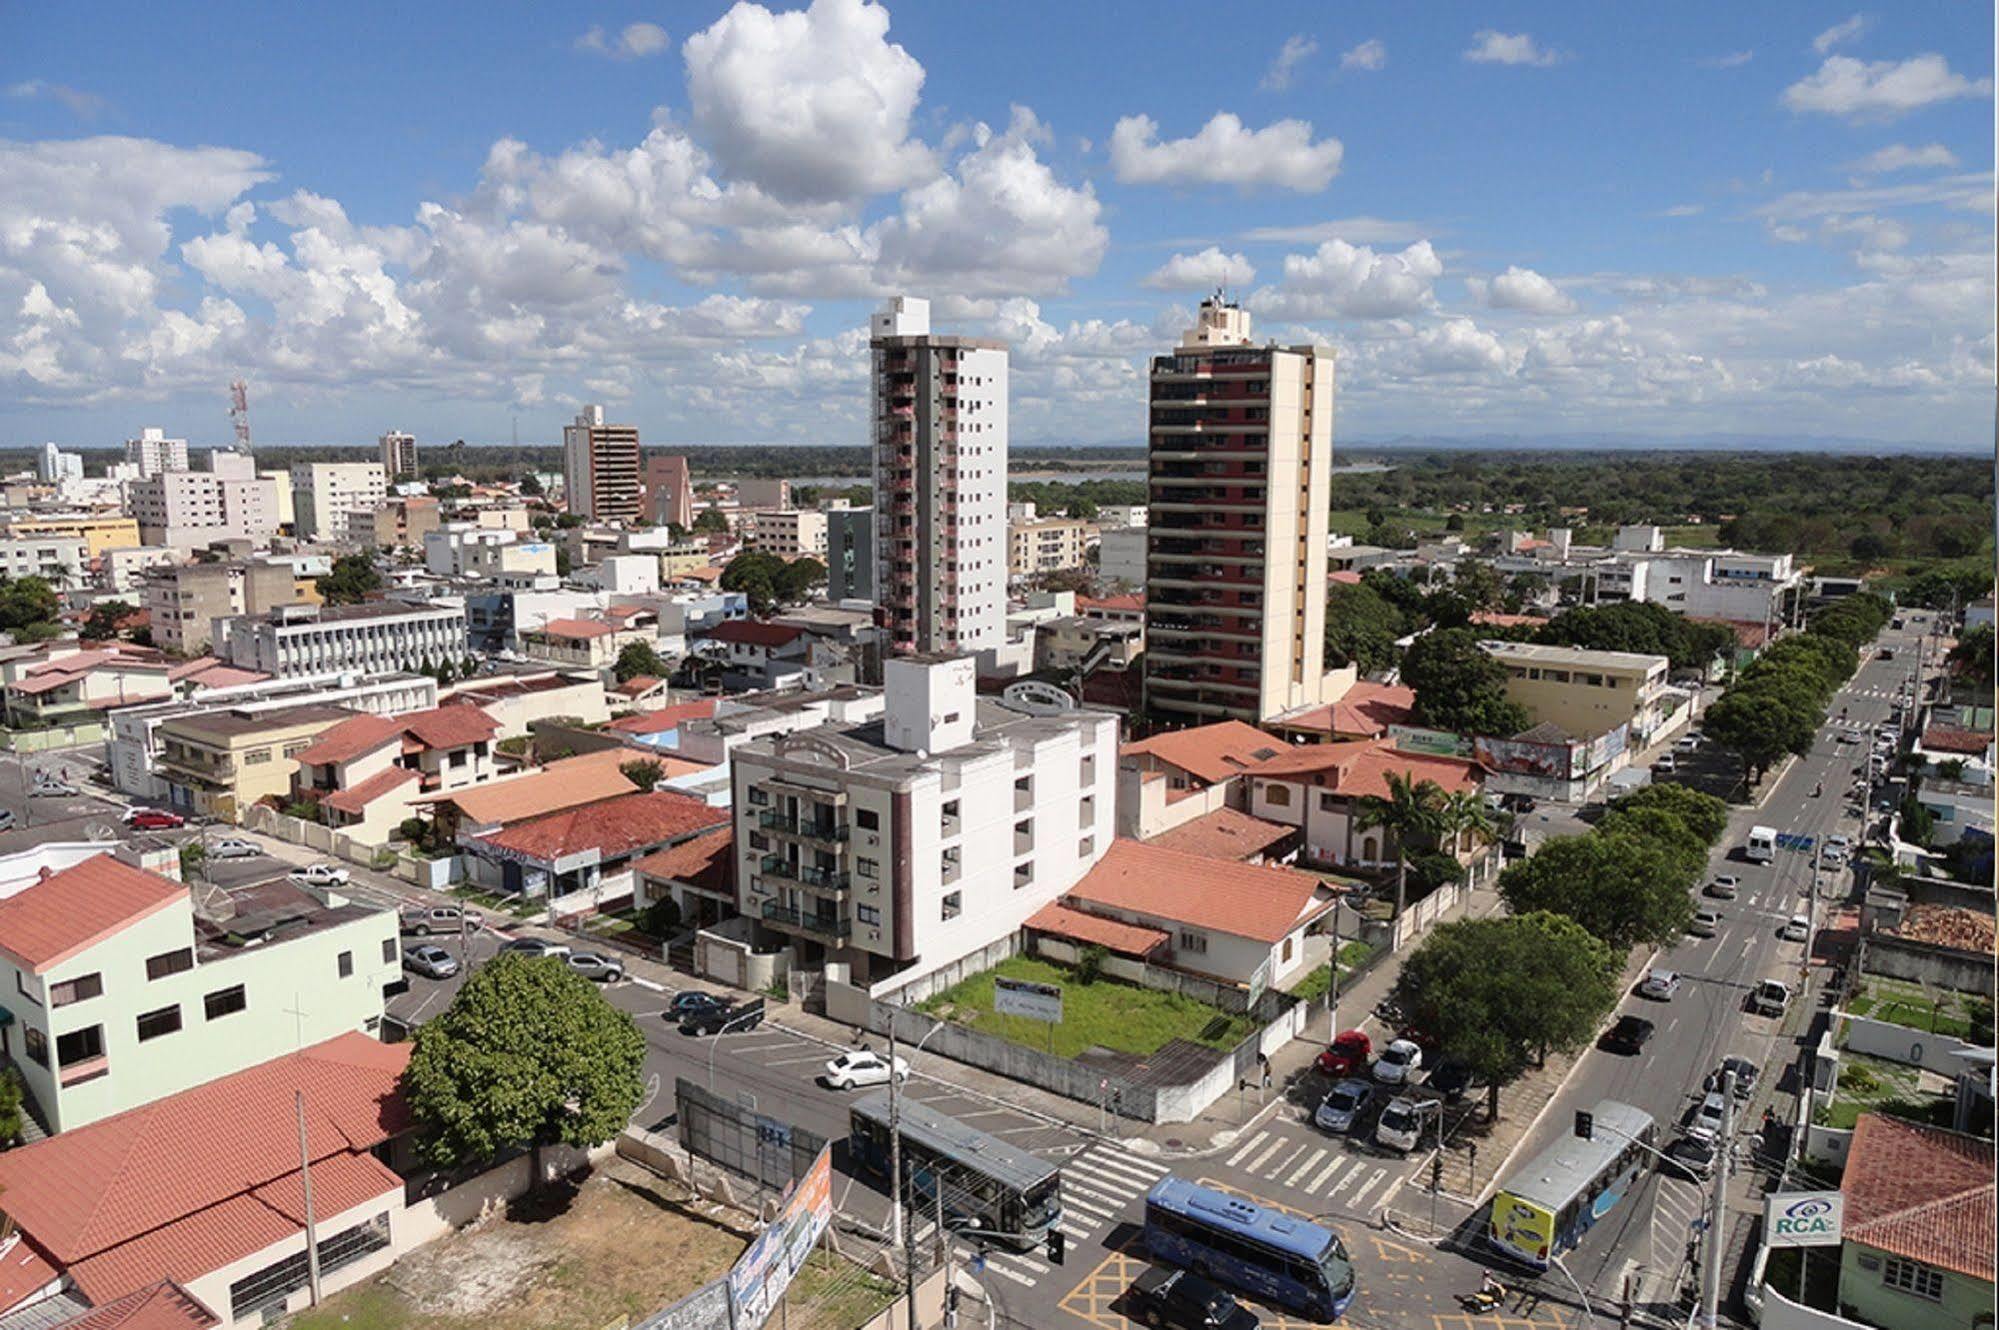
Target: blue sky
1547 220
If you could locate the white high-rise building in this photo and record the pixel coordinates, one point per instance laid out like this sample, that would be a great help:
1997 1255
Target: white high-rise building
55 465
940 458
398 454
153 452
324 493
190 509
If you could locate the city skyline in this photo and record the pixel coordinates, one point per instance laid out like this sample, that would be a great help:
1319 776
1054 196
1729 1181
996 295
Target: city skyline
1551 224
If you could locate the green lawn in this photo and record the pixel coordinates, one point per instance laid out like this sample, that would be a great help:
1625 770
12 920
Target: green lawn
488 900
1875 1085
1935 1011
1104 1014
1353 955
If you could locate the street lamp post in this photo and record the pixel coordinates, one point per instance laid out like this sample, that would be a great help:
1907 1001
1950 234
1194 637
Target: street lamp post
901 1233
716 1042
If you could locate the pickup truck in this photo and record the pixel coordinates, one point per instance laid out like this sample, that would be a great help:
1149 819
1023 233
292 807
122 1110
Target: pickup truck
318 875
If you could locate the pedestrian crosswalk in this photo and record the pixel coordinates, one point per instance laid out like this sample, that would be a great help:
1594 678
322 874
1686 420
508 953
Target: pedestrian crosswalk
1317 1167
1097 1186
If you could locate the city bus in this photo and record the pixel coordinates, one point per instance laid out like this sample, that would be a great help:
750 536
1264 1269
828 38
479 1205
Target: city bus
1266 1253
993 1191
1546 1206
1762 846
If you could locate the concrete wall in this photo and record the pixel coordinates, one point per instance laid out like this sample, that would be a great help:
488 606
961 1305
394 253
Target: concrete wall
1923 963
431 1217
724 953
1898 1043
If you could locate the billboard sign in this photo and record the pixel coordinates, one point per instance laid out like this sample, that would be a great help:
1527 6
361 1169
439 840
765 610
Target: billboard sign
1803 1218
1437 743
1023 997
761 1276
1521 757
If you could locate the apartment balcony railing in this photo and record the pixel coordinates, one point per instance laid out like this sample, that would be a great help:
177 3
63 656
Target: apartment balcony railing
776 865
831 927
804 827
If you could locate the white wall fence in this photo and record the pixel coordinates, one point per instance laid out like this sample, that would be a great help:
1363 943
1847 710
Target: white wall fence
427 1218
1915 1048
436 874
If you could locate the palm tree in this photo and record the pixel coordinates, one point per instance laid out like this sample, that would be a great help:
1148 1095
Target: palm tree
1413 810
1467 816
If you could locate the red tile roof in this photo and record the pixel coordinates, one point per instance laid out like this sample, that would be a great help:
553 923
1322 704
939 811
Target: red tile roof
350 738
356 798
1226 833
449 727
580 629
561 784
45 924
1094 930
1211 752
1129 603
750 632
612 826
1366 710
185 1185
1949 739
1494 619
161 1306
1346 577
635 686
1362 768
709 860
1247 900
1922 1193
670 717
1749 634
23 1271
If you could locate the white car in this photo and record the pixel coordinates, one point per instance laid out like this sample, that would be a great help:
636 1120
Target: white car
1707 923
1666 764
1687 743
234 847
1770 997
1724 886
1705 1124
319 875
1796 929
861 1067
1398 1063
1840 843
1659 985
1401 1125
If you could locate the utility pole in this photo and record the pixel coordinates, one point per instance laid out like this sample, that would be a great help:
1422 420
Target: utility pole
1718 1205
899 1231
1333 968
305 1179
943 1242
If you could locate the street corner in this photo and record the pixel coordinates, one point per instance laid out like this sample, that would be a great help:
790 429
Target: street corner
1095 1300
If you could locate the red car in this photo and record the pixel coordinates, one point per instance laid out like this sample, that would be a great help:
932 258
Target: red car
154 819
1349 1053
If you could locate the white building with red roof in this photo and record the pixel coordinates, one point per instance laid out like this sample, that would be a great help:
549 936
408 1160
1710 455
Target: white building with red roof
1917 1249
364 772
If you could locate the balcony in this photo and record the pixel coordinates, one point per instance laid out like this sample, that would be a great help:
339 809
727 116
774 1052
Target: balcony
825 927
805 828
84 1069
819 879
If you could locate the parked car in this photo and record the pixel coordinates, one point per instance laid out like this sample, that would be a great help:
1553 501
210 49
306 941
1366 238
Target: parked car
713 1020
1691 1158
423 920
430 960
1724 887
1705 1124
319 875
1659 985
153 819
534 947
1399 1062
1770 997
1401 1125
1347 1054
1796 929
1887 653
234 847
1343 1105
1745 1071
594 965
1665 764
1629 1035
1840 843
1165 1296
1451 1078
50 785
6 819
1706 923
862 1066
689 1003
1687 743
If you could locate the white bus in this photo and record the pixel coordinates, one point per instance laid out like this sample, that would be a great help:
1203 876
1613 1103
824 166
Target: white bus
1762 847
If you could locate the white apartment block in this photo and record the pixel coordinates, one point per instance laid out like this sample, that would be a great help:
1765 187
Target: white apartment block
191 509
790 533
55 466
375 638
940 460
600 468
58 560
460 549
324 493
1047 546
153 452
1702 584
901 844
131 749
398 455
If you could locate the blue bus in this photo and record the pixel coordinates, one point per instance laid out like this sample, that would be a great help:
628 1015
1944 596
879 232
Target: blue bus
1267 1253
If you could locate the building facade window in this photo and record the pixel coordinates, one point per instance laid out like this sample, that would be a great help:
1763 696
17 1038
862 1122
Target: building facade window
954 904
224 1002
867 819
867 868
80 1045
153 1024
37 1046
388 951
169 962
1913 1277
346 964
868 914
79 989
1194 942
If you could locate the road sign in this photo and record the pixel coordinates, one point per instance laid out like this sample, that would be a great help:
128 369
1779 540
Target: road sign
1803 1218
1024 997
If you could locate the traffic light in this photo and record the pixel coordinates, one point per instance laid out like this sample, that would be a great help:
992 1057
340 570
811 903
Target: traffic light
1057 1240
1585 1124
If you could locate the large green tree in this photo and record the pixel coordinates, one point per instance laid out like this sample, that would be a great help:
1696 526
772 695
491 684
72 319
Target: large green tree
1973 655
1763 720
1502 993
27 603
352 577
755 575
793 582
1458 686
102 622
1703 814
640 658
1638 626
1361 628
1625 889
528 1053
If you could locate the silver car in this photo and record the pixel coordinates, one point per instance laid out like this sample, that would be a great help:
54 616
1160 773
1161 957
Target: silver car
591 965
234 847
430 960
1343 1104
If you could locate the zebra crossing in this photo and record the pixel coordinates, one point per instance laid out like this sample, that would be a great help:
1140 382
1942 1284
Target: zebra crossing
1319 1167
1097 1185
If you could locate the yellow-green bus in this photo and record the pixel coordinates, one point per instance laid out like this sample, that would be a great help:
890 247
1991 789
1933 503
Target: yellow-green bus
1550 1202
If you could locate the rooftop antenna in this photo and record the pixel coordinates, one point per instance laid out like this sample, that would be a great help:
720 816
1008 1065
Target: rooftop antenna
239 412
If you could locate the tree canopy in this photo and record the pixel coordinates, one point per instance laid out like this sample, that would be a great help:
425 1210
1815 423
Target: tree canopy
1458 686
1625 889
643 772
103 620
1703 814
528 1053
1651 630
1973 655
640 658
1361 628
28 607
352 577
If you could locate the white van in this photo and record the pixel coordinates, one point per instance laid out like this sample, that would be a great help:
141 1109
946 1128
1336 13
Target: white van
1762 846
1771 998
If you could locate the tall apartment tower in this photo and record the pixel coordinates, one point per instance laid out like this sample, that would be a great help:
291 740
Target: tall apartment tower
600 468
153 452
398 455
940 437
669 491
1240 488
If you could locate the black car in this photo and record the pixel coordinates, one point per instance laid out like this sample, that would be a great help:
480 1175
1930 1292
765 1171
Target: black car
1745 1077
713 1020
1451 1079
1691 1158
1629 1035
1162 1296
692 1003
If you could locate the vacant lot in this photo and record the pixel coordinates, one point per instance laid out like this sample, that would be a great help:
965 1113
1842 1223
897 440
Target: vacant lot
1104 1014
624 1244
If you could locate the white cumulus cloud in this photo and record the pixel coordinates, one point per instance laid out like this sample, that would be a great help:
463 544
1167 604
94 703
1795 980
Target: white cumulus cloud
1297 49
1341 280
1370 54
1283 155
1521 289
1902 157
1881 89
1201 272
634 41
1509 48
1840 33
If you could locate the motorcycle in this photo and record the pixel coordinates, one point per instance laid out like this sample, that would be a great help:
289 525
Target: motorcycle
1491 1294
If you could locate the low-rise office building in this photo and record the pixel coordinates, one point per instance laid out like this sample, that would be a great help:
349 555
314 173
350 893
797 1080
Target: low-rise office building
98 531
1588 693
790 533
402 523
218 763
374 638
59 561
184 602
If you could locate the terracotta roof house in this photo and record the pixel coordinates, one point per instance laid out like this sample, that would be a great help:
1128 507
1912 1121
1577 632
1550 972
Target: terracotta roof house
1320 788
561 784
1175 777
1230 833
698 875
1229 921
1364 712
1916 1250
587 852
659 726
81 685
591 644
197 1198
364 772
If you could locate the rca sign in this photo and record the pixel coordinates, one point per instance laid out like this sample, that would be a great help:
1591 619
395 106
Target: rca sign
1802 1218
